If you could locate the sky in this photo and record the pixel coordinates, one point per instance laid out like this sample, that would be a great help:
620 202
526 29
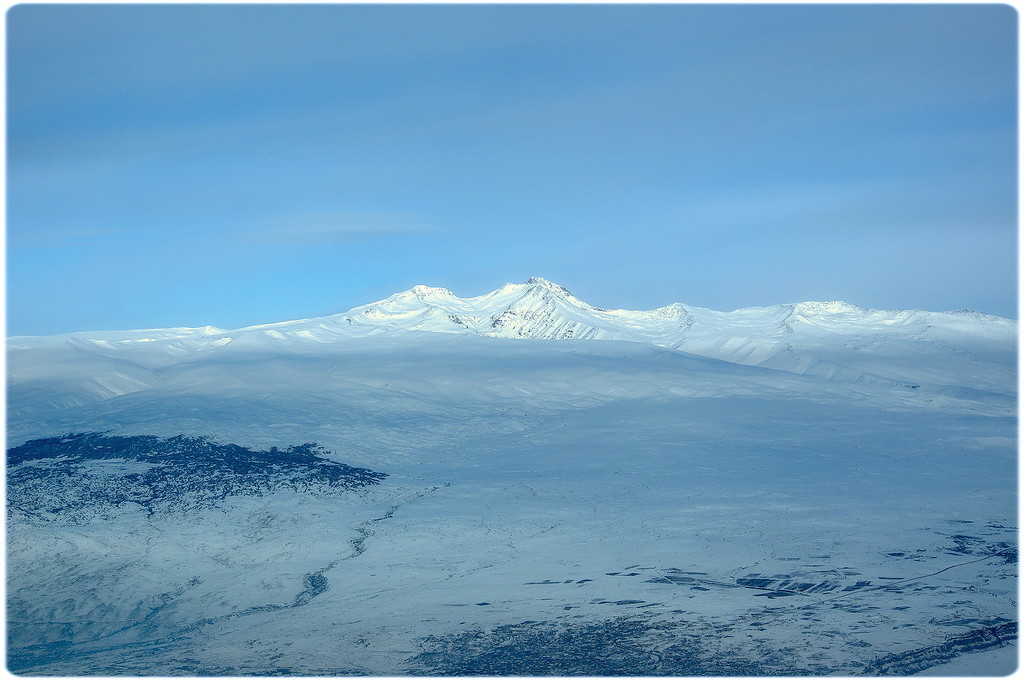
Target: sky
185 165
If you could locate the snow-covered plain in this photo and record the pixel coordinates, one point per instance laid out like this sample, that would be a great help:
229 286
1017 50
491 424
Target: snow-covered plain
812 488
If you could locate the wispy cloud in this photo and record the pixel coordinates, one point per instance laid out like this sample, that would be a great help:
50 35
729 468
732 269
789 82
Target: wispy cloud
333 227
62 237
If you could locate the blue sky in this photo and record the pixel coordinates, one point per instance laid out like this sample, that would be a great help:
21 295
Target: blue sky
183 165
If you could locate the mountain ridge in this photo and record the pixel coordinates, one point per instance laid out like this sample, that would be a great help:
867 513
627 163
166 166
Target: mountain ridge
532 293
954 358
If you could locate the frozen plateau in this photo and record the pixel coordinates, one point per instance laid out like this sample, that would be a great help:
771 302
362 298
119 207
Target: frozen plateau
518 483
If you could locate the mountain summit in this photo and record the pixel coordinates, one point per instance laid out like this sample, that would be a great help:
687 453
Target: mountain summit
536 308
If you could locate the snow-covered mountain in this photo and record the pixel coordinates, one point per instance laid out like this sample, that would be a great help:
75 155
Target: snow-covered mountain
833 339
517 483
953 358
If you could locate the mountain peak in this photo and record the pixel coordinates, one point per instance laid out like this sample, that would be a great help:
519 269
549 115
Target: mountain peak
540 282
421 290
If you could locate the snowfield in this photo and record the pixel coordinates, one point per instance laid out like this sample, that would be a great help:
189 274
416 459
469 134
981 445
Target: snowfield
542 487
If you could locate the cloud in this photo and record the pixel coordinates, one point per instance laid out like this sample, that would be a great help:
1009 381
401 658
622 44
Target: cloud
333 227
64 236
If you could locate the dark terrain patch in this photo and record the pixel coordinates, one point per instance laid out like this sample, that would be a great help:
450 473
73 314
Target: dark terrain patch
624 646
72 478
648 645
912 661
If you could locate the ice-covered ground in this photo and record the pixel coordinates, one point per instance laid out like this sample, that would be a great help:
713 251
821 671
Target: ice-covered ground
550 507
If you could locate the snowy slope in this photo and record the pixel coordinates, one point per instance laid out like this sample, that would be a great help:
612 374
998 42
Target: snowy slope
544 487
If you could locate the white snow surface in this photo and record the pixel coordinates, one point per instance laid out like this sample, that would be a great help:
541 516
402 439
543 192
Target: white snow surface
550 463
